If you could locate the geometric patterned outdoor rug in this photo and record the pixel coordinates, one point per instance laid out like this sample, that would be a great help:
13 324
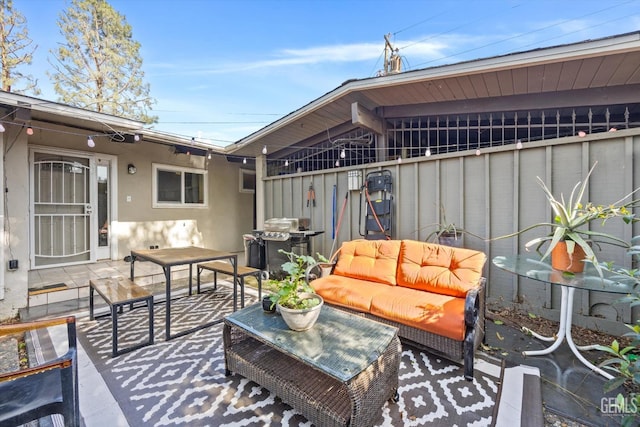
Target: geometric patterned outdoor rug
182 381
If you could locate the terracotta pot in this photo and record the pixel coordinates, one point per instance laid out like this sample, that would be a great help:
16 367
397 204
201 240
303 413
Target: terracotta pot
561 260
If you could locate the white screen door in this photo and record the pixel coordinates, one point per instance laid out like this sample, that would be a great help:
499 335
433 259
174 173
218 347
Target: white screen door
62 210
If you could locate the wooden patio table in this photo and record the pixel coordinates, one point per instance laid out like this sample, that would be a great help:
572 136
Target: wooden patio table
170 257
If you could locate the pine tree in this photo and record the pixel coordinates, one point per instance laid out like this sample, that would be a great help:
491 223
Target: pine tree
99 67
15 50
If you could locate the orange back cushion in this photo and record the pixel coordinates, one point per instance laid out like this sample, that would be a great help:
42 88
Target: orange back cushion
373 260
441 269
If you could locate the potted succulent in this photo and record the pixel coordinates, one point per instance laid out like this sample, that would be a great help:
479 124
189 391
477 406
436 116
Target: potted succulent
447 233
569 239
296 301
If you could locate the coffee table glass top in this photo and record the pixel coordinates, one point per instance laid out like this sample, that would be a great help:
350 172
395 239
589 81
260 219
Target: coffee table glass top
530 266
340 344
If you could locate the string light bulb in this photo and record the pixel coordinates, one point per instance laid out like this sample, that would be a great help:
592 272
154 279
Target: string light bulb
244 161
399 159
1 128
209 155
29 130
427 152
582 134
478 152
337 163
519 145
286 163
90 142
136 137
343 154
264 150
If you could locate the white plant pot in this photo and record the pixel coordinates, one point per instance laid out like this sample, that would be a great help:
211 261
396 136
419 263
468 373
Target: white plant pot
301 320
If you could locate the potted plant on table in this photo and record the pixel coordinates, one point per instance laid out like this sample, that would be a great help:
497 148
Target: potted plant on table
569 242
298 304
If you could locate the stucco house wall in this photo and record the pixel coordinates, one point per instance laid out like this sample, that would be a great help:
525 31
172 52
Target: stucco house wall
219 225
15 245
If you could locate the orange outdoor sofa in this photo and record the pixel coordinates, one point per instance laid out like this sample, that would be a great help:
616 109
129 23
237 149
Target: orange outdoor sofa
434 294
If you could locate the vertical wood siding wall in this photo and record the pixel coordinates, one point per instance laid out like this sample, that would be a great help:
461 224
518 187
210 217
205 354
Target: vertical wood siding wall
491 194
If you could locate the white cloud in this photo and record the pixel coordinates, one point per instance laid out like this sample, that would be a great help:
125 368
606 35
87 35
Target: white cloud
342 53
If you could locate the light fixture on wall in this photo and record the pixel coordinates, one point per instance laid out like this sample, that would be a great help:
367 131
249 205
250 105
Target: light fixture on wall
131 168
90 142
29 130
136 137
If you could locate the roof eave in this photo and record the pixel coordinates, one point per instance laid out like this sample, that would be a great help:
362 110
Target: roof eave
607 45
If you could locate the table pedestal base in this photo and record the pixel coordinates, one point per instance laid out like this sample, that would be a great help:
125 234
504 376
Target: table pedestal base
564 331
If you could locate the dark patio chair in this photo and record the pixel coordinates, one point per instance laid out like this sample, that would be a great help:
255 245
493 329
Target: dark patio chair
38 391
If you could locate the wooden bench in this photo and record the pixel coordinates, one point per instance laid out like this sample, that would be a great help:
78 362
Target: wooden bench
226 268
117 292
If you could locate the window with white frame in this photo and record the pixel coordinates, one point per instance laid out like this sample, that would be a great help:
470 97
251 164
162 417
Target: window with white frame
179 187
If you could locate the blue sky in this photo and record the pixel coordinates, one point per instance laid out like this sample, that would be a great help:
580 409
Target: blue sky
222 69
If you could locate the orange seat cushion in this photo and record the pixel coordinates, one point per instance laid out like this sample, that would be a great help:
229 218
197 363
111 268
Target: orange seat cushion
435 313
373 260
347 292
439 269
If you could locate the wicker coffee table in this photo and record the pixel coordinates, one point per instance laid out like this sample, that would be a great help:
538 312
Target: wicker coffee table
338 373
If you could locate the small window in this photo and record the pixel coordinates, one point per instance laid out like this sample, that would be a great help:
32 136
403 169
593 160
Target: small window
178 187
247 181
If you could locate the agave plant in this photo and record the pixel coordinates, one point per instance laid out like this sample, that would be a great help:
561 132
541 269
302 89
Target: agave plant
571 217
445 228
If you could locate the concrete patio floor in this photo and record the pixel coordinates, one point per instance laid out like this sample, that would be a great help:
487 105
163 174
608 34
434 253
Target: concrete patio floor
569 389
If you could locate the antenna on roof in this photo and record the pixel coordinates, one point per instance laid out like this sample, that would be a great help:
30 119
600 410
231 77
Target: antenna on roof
392 60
